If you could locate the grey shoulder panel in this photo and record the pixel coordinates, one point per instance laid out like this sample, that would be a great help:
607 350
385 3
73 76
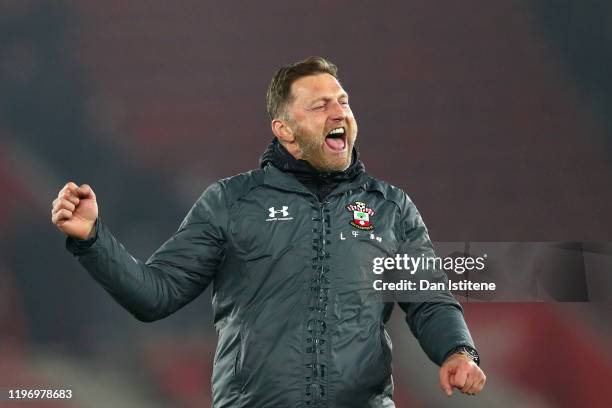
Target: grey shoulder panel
241 184
390 193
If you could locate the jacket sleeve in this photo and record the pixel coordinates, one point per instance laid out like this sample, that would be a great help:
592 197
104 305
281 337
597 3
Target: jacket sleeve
434 317
174 275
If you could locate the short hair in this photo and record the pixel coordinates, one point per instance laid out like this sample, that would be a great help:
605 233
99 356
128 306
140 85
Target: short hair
279 95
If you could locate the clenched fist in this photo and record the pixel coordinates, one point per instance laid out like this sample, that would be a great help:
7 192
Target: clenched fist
75 211
461 372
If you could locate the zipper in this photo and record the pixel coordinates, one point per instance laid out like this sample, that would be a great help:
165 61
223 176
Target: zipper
317 388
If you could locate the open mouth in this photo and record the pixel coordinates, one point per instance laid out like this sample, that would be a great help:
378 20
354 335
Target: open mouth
336 139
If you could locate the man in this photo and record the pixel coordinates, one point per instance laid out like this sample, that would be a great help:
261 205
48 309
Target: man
289 249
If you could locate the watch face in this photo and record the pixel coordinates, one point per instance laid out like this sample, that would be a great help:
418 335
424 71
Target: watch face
467 351
470 353
473 356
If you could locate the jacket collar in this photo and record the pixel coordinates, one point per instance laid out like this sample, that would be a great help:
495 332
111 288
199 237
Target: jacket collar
281 170
279 179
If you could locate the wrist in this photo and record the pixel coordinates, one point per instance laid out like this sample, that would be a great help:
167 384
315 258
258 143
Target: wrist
468 352
91 233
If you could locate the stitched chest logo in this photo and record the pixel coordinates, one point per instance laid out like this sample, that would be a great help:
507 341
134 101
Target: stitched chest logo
361 216
274 214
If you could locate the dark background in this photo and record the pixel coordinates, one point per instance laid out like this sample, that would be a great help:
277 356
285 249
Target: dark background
495 117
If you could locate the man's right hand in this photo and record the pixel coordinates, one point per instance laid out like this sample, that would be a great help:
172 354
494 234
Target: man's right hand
75 211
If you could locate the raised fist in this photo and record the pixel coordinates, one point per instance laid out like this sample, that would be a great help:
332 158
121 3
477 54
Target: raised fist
75 211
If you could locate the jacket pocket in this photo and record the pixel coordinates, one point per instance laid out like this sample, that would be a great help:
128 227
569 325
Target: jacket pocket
239 363
236 363
386 347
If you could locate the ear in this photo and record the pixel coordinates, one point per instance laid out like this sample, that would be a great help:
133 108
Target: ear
282 131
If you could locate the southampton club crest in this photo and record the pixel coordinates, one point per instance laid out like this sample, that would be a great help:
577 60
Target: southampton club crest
361 216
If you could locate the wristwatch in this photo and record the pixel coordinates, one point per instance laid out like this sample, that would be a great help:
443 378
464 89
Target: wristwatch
467 351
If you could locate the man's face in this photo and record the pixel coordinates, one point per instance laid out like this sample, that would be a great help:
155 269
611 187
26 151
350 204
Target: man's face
322 122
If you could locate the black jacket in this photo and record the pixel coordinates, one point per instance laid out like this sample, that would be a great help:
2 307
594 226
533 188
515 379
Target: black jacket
298 321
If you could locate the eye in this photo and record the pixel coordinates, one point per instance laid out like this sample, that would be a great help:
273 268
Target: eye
344 103
318 107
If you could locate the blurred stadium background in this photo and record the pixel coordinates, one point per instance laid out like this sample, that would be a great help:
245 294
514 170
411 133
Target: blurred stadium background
496 117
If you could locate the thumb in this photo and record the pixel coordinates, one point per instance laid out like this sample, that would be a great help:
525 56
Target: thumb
445 374
85 191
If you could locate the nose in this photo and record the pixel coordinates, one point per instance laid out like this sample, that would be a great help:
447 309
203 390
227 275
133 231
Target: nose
337 112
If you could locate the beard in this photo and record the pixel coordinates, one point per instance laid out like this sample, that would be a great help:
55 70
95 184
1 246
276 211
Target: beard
311 149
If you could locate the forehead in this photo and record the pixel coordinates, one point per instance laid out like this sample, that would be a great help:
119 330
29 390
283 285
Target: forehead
312 87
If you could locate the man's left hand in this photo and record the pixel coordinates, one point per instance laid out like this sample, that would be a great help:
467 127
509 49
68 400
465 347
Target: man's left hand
459 371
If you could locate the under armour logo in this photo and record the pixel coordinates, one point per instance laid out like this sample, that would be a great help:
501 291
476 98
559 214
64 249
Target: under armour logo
284 211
